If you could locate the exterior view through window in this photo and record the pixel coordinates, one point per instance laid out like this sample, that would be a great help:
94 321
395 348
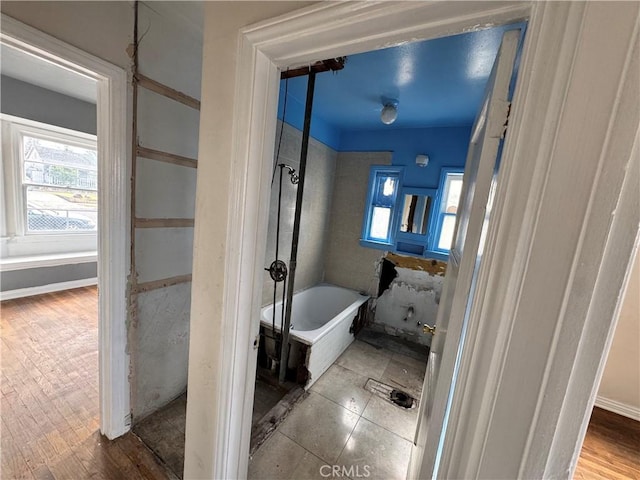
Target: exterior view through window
60 184
448 209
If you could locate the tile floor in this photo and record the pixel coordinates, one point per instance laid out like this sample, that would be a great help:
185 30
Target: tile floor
341 423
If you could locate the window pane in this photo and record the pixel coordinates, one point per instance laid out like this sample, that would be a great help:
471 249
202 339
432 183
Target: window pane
446 234
61 210
380 223
385 190
453 190
58 164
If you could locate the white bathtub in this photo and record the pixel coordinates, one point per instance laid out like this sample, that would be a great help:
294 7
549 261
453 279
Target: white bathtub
320 318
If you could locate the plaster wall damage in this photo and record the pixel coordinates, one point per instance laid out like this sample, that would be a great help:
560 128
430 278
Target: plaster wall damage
409 296
399 282
163 198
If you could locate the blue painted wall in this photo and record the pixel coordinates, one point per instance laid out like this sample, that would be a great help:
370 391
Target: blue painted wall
320 129
445 146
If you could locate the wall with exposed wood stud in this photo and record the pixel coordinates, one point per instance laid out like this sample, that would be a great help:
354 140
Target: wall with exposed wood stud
170 53
164 188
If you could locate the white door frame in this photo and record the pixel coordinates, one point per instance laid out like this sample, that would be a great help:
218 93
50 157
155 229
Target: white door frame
113 208
563 41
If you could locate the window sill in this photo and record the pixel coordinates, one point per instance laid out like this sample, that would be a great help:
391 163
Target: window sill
378 245
39 261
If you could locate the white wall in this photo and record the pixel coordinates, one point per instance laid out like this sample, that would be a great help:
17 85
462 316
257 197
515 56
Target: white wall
222 22
103 29
620 385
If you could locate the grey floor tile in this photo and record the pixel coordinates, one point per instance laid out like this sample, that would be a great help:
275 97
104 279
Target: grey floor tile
365 359
343 386
320 426
278 458
398 420
373 450
310 468
405 376
411 361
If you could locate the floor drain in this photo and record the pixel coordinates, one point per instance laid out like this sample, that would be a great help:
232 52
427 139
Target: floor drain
401 398
390 394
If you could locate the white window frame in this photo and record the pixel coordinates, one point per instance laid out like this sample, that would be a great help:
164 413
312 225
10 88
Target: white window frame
16 240
438 215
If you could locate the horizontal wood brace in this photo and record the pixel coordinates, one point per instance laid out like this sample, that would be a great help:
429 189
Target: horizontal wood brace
166 157
163 222
331 64
162 283
166 91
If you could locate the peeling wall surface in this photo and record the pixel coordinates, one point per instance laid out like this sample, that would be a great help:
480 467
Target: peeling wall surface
316 204
411 300
170 52
352 266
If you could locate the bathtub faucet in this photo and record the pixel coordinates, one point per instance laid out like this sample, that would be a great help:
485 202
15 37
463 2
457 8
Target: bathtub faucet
410 312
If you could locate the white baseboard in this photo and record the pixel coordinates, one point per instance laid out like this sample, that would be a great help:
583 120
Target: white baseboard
619 408
52 287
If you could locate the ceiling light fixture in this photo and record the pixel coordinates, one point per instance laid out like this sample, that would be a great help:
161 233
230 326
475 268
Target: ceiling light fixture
389 112
422 160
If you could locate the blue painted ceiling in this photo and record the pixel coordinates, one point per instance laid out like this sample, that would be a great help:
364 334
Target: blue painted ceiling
436 82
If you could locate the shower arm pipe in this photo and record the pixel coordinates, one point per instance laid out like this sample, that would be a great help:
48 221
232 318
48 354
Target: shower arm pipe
284 352
275 283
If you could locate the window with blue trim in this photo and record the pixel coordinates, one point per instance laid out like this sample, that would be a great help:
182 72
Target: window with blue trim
380 219
449 193
410 220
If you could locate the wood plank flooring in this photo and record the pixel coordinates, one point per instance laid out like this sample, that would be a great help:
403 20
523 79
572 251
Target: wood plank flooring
49 392
611 448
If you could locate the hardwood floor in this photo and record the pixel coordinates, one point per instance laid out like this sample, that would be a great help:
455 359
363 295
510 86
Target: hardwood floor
611 448
49 387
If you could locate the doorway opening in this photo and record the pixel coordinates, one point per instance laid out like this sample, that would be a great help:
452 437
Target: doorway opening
375 235
64 188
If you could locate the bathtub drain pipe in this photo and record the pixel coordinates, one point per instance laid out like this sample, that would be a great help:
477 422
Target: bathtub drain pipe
284 352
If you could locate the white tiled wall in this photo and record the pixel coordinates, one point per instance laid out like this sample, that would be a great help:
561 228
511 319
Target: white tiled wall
347 263
314 226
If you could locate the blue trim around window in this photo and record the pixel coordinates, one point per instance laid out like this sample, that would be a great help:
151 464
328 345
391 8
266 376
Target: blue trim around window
406 243
375 199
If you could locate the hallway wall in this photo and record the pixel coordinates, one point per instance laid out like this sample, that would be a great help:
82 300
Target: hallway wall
620 385
170 53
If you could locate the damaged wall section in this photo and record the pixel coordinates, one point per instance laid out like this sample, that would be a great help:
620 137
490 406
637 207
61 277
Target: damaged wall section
410 298
170 52
406 281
